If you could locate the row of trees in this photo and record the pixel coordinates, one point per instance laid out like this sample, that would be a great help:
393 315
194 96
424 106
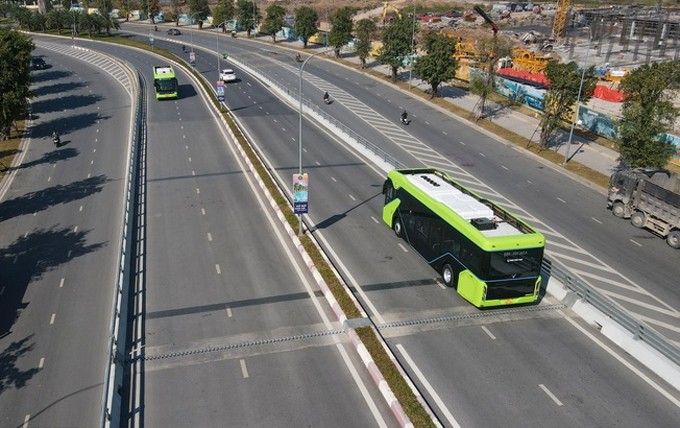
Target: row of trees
15 78
60 19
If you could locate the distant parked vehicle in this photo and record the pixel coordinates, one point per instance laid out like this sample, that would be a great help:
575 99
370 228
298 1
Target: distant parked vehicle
174 32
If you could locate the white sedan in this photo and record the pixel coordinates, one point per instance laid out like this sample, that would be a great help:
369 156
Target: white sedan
227 75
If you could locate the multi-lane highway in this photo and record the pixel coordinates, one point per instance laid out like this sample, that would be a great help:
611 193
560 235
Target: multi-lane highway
60 238
232 328
396 286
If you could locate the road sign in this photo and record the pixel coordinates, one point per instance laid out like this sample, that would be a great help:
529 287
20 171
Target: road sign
192 58
300 193
151 40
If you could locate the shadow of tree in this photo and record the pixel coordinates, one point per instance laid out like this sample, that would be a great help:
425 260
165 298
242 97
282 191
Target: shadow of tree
57 88
28 258
10 375
66 124
50 75
69 102
50 158
43 199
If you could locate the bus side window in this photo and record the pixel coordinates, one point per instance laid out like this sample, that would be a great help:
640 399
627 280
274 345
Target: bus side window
388 191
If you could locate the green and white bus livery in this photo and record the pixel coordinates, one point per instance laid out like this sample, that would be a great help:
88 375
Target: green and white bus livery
165 82
491 257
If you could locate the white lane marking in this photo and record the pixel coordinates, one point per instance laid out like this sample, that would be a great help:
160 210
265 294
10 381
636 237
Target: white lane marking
54 165
444 132
49 179
486 330
595 220
203 211
375 220
16 258
209 236
636 243
34 214
625 363
189 158
52 319
550 394
482 155
198 191
244 370
75 229
460 142
88 175
304 150
229 312
561 200
217 268
26 419
68 255
438 401
403 248
193 172
26 235
529 181
505 167
41 364
352 197
91 162
94 150
81 208
334 180
61 283
317 162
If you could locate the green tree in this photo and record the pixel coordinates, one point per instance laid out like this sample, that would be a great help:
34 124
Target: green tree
154 9
274 21
365 33
175 12
438 65
488 50
565 82
396 38
90 23
124 9
57 19
248 15
305 23
144 9
224 11
15 78
341 28
106 19
23 17
198 10
648 114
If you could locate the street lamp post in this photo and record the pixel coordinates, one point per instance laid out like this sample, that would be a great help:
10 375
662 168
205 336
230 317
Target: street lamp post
578 101
302 66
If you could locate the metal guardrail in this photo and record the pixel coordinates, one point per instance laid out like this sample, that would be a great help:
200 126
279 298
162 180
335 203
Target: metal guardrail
638 329
114 369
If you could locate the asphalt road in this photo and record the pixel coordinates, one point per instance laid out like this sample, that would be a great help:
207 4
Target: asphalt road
396 286
60 237
234 327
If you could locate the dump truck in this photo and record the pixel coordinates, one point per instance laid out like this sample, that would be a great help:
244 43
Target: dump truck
650 198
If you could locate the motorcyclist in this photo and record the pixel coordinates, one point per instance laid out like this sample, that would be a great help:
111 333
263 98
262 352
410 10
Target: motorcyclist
184 48
326 97
55 138
404 116
155 27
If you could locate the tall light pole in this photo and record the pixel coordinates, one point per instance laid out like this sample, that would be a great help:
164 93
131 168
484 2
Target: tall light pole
578 100
302 66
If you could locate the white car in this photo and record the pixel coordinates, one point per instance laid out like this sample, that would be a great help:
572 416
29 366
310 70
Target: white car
227 75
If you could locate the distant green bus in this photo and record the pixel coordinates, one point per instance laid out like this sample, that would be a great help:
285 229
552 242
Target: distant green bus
491 257
164 81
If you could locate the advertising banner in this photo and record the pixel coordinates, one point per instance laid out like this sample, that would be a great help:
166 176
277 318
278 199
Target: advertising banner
300 193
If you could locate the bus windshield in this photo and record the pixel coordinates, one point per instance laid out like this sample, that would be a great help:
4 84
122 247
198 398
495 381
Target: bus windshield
514 264
165 86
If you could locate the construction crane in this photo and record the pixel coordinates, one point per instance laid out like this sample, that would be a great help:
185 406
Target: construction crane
386 6
560 18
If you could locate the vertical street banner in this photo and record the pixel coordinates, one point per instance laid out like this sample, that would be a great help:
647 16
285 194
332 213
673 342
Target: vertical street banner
192 58
220 91
300 193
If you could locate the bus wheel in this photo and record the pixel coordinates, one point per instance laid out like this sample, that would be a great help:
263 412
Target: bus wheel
673 239
618 209
398 227
638 219
449 276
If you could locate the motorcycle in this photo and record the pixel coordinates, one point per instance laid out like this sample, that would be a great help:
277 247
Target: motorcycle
56 140
404 120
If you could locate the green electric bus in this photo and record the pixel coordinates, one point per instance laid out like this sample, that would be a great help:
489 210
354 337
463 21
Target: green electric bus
491 257
164 81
